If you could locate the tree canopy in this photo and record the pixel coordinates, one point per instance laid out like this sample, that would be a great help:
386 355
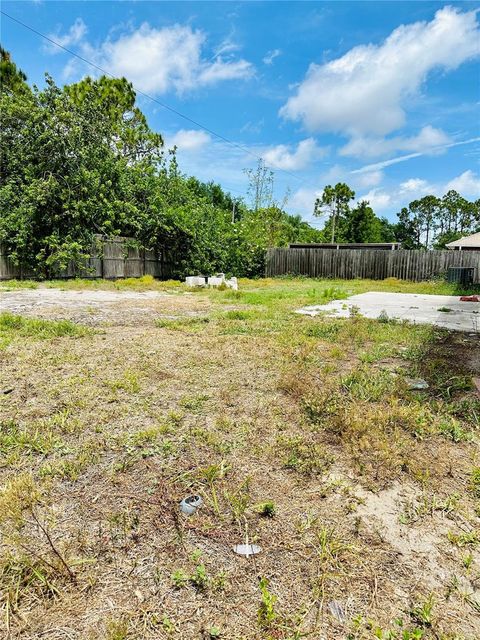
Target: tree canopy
82 160
433 222
427 222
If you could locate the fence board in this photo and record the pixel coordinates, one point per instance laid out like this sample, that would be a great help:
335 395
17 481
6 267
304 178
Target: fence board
368 263
110 258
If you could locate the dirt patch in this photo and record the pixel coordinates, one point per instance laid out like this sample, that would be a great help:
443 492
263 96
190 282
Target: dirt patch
417 546
97 307
460 352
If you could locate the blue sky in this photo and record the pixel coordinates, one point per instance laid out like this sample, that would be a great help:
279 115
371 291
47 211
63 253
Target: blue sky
381 95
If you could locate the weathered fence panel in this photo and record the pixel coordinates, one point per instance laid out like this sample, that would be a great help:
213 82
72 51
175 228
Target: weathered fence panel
110 258
368 263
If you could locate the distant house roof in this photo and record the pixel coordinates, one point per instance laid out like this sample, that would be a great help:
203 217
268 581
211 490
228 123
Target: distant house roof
470 242
347 245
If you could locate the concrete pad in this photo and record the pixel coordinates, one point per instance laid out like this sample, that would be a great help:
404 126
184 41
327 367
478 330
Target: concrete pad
416 308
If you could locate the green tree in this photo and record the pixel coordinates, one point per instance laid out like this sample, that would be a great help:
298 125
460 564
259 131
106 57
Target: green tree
408 230
12 79
115 97
426 212
260 186
334 202
63 179
432 221
81 160
362 225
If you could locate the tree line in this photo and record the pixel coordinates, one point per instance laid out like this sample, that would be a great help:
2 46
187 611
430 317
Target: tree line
428 222
81 160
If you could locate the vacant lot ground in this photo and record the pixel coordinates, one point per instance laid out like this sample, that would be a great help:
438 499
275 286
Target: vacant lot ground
301 434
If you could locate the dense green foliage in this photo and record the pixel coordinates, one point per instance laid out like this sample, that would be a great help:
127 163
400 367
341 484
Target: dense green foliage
346 224
81 160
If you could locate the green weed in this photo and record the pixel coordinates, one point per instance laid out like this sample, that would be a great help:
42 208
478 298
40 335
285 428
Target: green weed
267 509
463 539
422 612
178 324
266 614
10 285
16 440
13 325
475 481
127 382
305 457
238 315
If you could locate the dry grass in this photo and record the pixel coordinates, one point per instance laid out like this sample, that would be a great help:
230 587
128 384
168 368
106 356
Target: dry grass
300 433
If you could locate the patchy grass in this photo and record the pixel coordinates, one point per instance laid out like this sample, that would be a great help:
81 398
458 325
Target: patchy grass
180 324
301 435
145 283
15 325
11 285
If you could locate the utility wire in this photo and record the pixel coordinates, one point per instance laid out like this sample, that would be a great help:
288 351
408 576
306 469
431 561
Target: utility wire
149 97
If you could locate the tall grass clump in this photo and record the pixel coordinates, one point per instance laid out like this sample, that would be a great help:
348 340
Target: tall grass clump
14 325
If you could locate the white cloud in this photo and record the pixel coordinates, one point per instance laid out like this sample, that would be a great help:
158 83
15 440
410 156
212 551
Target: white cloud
409 156
303 201
379 200
428 140
74 35
283 157
364 91
271 55
372 179
415 185
253 126
169 58
221 70
227 46
189 139
467 184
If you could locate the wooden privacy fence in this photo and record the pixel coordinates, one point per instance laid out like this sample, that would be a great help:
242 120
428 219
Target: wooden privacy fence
109 258
368 263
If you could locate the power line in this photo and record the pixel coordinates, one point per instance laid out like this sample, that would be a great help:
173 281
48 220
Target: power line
148 96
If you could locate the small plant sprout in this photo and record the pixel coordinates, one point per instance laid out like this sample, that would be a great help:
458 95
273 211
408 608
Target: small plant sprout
475 482
179 578
199 578
267 509
266 611
211 474
383 317
467 560
421 613
239 500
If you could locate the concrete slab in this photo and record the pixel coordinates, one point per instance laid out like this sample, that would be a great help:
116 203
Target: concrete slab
416 308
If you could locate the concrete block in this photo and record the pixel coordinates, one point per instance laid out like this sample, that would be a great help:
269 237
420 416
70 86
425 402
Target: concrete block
219 280
232 283
195 281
